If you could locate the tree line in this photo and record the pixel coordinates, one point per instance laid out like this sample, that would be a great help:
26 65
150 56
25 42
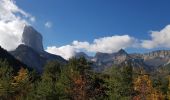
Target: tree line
77 81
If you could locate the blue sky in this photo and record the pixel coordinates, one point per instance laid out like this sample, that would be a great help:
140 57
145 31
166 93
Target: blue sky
84 21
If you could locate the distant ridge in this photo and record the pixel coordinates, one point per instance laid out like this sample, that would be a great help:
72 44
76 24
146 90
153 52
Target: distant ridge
148 61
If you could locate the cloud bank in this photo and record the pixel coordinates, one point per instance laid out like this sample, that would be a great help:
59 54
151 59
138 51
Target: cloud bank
12 22
105 45
158 39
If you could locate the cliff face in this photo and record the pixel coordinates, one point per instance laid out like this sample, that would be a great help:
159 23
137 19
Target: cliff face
32 38
157 58
115 58
158 53
105 60
148 61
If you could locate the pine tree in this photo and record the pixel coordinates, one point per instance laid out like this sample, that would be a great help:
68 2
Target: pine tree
76 79
120 83
6 78
46 88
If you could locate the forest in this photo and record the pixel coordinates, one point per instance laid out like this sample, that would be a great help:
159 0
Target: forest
77 81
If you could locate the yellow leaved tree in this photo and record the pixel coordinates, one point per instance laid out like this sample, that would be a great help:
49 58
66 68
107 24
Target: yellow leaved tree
21 84
145 90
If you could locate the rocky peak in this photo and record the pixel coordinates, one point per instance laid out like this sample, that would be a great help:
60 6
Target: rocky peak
122 52
32 38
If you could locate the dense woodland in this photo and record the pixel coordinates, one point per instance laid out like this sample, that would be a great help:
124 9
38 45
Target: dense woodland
77 81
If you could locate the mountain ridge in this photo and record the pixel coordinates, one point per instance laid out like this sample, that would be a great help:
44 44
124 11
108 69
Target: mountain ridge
149 61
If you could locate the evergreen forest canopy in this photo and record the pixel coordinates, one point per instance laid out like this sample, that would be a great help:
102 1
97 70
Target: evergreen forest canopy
77 81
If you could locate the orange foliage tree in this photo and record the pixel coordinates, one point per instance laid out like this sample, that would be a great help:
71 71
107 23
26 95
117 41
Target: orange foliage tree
145 91
21 84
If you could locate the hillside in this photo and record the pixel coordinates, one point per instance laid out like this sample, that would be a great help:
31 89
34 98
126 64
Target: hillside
16 64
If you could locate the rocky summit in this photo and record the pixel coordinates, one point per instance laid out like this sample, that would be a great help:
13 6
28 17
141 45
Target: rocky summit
32 38
31 52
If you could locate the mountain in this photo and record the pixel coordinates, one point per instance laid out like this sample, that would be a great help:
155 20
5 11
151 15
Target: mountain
112 58
148 61
16 64
29 56
34 59
32 38
105 60
31 52
157 58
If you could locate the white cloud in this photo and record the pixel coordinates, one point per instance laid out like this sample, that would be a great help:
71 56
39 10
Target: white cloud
105 45
32 19
8 9
12 22
158 39
10 33
65 51
48 24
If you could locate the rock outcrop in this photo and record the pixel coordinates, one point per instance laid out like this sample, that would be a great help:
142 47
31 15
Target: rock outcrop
157 58
32 38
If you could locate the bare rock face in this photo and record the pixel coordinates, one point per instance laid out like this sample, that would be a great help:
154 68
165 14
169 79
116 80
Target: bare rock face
113 58
105 60
158 53
32 38
157 58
